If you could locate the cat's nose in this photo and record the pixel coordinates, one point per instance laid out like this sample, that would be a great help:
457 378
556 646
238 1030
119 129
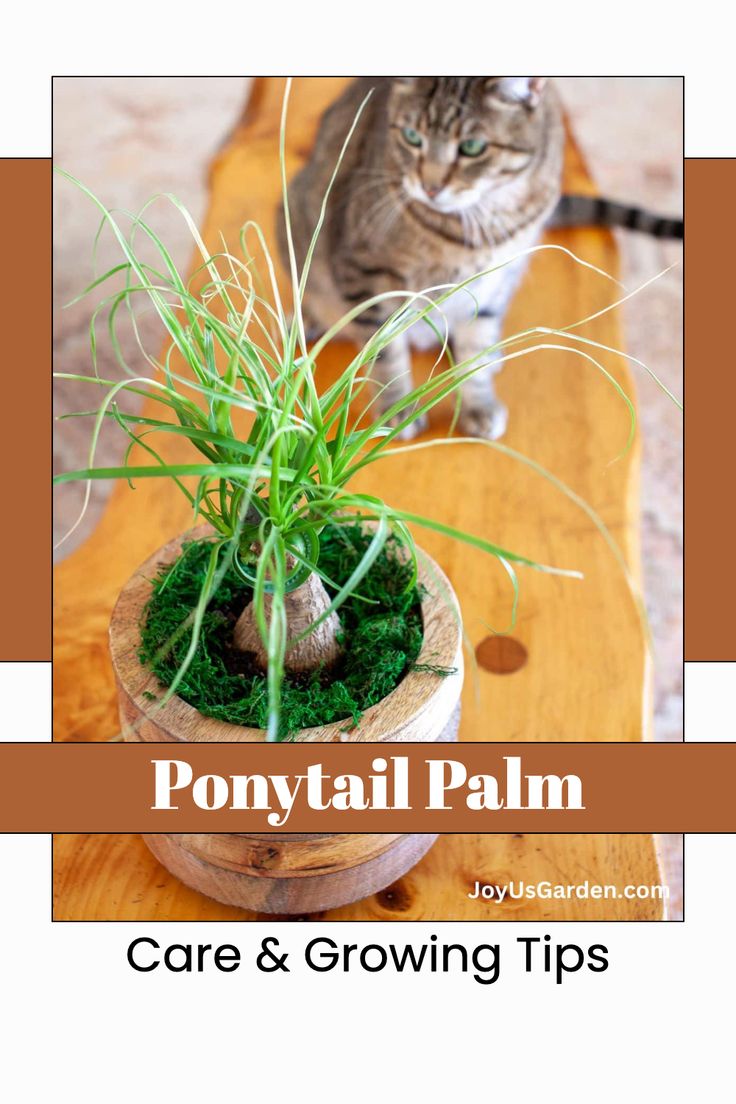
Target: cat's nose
433 190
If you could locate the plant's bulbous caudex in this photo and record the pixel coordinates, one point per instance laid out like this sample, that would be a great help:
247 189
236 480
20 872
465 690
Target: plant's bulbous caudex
308 645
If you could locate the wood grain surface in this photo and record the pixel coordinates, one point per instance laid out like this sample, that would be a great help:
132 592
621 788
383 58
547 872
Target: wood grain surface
117 878
584 673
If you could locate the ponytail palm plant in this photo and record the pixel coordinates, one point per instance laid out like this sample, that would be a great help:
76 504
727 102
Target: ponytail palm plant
269 493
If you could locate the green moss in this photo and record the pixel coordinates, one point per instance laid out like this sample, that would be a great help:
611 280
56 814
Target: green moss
381 639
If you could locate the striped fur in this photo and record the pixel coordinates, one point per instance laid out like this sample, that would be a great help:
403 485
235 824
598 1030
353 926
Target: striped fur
583 210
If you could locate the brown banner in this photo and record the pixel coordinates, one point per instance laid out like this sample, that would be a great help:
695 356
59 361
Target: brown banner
25 442
710 535
447 788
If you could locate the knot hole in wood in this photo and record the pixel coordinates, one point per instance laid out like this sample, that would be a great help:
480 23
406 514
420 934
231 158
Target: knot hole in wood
501 655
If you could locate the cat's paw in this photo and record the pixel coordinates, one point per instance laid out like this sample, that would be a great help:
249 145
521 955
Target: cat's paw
409 432
488 421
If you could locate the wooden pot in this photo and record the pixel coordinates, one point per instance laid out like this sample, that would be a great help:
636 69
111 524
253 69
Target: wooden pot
286 872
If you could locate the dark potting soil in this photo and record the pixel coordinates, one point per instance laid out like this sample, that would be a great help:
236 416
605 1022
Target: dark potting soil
381 638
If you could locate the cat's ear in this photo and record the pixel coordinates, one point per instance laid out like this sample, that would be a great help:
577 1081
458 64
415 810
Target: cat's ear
518 90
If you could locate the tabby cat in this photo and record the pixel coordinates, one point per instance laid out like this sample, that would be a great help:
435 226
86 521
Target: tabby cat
444 177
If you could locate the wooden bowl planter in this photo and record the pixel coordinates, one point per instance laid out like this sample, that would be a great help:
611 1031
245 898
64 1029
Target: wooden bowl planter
286 872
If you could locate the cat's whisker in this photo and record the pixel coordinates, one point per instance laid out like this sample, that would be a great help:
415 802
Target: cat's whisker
383 215
483 237
372 214
466 225
387 215
362 189
367 186
394 211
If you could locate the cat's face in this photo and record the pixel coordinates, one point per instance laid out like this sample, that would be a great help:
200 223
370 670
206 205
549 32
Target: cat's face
455 139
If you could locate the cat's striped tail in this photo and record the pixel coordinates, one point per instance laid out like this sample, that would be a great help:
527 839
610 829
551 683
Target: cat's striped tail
583 210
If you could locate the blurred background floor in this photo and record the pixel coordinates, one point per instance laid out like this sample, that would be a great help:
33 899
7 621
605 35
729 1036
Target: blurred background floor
630 129
128 138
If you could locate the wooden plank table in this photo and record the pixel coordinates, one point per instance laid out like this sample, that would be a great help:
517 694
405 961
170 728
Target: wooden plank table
585 671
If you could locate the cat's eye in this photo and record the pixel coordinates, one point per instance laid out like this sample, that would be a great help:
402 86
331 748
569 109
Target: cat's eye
411 136
473 147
